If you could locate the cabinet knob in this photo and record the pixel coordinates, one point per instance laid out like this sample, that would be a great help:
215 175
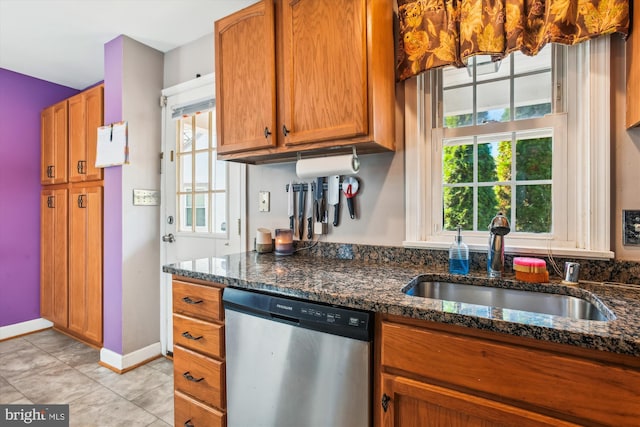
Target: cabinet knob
81 199
267 132
285 131
385 402
80 167
188 423
50 203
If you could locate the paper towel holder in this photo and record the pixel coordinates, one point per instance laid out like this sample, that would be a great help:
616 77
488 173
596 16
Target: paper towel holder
353 149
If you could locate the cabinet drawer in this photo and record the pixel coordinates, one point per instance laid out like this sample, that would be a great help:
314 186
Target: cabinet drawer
580 388
203 302
203 337
193 413
199 376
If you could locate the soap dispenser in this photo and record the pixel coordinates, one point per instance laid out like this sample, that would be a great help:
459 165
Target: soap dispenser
459 255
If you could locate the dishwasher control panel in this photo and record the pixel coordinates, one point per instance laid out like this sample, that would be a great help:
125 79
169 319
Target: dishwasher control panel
335 320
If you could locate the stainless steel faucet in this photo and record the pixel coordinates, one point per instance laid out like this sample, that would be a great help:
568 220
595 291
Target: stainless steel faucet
498 228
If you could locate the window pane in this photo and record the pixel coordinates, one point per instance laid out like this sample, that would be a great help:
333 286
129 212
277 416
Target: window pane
186 173
485 68
452 76
202 207
202 131
202 171
220 212
458 207
533 159
526 64
487 206
185 223
532 95
457 107
457 164
533 208
220 176
185 135
493 101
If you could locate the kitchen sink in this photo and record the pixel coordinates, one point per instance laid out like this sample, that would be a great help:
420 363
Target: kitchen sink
514 299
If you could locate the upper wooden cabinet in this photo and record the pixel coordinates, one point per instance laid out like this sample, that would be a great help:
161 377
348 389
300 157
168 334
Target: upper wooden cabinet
85 116
633 70
245 79
304 75
53 140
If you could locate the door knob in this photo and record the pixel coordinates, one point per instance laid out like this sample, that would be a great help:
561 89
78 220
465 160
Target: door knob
169 238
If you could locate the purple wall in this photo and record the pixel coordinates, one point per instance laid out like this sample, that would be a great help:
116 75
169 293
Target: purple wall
112 294
22 98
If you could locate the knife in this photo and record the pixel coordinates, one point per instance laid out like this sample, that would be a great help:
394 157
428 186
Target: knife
333 197
319 208
291 208
301 196
310 212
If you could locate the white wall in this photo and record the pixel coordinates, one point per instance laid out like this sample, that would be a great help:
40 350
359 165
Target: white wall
142 83
185 62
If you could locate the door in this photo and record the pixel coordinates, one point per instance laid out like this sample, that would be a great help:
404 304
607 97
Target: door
54 144
203 202
85 116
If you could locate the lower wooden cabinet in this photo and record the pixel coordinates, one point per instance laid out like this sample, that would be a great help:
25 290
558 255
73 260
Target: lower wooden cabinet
85 262
198 354
71 259
53 256
192 413
433 374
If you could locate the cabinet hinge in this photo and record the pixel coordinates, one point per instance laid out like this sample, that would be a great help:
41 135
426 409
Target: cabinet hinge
163 101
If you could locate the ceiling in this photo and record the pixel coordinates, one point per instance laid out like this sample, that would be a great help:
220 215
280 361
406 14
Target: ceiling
62 41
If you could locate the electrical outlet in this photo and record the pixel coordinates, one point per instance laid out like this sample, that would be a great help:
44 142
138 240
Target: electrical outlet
263 201
631 227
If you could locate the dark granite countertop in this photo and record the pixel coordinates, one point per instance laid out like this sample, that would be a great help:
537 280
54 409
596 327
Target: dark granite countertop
377 287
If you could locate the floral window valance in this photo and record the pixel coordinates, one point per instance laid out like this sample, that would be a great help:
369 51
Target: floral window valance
435 33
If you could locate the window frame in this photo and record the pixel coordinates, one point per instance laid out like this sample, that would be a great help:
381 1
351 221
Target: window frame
583 207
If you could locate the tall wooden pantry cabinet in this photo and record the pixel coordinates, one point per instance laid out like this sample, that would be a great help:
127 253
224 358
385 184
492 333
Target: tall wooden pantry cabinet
72 216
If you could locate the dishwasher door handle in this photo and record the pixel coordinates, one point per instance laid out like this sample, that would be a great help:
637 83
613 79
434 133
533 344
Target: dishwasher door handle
286 319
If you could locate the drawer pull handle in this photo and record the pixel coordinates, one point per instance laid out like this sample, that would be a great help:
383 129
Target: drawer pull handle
385 402
188 336
191 378
190 301
188 423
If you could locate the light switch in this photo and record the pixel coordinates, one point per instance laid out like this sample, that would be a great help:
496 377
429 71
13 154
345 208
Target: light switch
146 198
263 201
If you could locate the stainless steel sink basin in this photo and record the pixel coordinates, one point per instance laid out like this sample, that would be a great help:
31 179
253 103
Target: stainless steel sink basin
514 299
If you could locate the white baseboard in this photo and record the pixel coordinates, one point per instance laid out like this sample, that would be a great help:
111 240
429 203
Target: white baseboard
22 328
122 362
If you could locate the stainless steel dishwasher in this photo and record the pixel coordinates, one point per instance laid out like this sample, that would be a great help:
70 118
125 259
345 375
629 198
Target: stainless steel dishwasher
293 363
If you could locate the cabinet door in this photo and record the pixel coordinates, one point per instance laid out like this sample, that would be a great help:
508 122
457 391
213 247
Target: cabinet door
324 50
77 138
85 262
412 403
54 144
53 256
85 116
633 69
94 101
245 79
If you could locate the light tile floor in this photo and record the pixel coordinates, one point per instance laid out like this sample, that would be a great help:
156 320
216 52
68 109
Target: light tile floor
49 367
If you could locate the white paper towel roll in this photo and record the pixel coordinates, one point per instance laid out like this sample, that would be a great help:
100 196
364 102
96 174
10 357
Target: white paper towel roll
327 166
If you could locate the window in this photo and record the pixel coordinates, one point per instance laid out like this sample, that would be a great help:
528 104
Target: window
202 179
515 137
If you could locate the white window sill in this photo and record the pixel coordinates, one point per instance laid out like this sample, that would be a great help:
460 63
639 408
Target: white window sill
517 250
